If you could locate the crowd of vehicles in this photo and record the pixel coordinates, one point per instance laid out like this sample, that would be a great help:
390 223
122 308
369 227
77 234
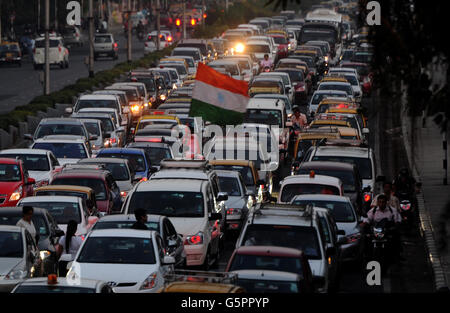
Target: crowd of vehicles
133 146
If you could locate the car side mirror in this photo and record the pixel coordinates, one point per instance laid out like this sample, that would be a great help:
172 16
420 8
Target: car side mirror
31 181
168 260
288 88
341 232
69 110
28 137
215 216
59 233
153 169
222 196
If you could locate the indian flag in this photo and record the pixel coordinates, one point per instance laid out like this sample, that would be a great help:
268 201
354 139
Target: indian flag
218 98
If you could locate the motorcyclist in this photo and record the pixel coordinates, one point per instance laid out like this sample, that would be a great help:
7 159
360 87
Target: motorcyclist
385 211
299 120
266 62
392 200
404 183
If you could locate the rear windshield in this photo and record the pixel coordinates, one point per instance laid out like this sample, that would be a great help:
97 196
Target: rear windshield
123 225
98 185
64 150
87 104
62 212
347 177
246 172
102 39
137 161
41 43
297 237
363 164
291 190
342 211
59 129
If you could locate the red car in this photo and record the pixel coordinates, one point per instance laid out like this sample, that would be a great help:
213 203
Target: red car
107 192
365 75
273 258
283 45
15 183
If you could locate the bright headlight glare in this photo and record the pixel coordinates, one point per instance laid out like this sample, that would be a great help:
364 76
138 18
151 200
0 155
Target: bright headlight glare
239 48
16 195
44 254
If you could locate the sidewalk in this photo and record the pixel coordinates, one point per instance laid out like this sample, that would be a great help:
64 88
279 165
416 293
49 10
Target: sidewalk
425 156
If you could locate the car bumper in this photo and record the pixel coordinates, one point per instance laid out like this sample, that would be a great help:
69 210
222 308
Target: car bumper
8 285
8 203
234 222
195 255
10 60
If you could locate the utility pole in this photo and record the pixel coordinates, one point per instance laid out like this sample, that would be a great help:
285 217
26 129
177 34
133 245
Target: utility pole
184 19
47 49
39 16
158 25
91 38
129 32
56 15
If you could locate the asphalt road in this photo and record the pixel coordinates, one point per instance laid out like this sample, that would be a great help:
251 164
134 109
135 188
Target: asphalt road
19 85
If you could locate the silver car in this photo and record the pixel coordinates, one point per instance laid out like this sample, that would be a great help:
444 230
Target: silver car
239 199
344 214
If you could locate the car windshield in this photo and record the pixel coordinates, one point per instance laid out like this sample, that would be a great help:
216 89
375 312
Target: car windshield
362 57
137 161
168 203
93 128
230 185
11 244
123 225
102 39
87 104
317 97
265 262
257 48
347 177
117 250
299 237
148 81
181 69
289 191
190 53
363 164
201 46
32 162
59 129
347 88
342 212
261 116
280 40
257 156
246 172
106 122
63 150
158 154
53 289
62 212
230 68
97 185
313 34
295 76
41 43
11 218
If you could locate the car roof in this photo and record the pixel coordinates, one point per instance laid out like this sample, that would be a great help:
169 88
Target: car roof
11 228
132 233
324 165
24 151
269 251
81 174
18 210
62 282
262 102
128 217
62 138
317 197
60 120
267 275
97 97
102 160
317 179
358 152
121 151
65 187
171 184
50 199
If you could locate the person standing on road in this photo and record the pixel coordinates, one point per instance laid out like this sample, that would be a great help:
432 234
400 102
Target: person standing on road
68 246
141 219
27 223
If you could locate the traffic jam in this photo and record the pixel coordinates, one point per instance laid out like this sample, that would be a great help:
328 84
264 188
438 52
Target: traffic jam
240 163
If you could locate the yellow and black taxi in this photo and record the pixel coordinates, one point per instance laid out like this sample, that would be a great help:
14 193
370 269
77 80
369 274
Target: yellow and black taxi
10 53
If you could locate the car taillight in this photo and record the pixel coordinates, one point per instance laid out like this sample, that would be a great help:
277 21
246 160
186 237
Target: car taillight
405 207
196 239
123 193
113 140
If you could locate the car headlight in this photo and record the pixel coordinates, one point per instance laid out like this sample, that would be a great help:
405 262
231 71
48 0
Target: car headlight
196 239
16 195
174 86
44 254
239 48
135 108
162 97
16 274
149 282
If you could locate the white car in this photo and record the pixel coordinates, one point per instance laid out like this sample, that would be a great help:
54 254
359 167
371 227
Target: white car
130 260
165 40
246 65
63 209
295 185
63 285
67 149
41 164
259 48
231 66
322 94
347 87
352 78
59 55
289 88
19 256
196 53
105 45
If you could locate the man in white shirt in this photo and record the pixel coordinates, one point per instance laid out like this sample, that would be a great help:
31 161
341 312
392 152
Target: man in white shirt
27 223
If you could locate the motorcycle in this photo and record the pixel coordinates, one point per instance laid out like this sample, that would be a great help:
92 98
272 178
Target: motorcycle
380 241
406 207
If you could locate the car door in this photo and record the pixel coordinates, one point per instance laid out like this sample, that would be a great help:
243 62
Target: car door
173 241
330 243
161 247
31 255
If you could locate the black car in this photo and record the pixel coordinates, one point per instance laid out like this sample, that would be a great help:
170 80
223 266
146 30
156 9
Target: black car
46 227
